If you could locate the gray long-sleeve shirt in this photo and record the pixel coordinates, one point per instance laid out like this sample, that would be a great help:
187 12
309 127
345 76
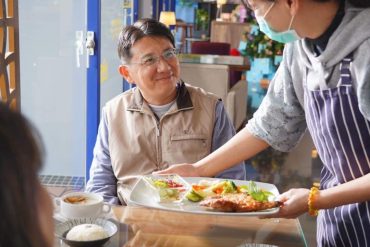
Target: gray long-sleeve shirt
280 120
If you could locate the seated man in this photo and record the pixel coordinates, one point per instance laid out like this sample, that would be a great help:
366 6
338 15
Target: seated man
160 122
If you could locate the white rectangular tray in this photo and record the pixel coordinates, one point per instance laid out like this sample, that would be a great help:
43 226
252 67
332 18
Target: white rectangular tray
143 196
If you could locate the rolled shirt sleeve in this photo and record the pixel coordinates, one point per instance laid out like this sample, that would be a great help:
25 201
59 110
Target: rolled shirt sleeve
280 119
102 179
222 132
361 74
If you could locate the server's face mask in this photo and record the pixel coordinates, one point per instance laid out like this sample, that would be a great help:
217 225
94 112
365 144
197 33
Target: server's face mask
284 37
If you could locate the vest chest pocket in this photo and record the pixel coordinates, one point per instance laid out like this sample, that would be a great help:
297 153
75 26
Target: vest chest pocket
200 139
188 147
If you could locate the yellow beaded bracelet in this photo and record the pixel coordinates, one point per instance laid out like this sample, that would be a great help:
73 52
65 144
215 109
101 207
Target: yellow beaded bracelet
311 197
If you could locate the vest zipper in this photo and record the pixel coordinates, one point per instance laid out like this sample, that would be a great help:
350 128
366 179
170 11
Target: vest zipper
158 129
159 148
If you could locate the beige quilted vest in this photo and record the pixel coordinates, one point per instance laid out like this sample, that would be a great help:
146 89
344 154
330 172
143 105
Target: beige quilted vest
140 144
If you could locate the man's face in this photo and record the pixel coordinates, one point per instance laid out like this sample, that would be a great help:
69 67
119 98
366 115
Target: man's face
154 68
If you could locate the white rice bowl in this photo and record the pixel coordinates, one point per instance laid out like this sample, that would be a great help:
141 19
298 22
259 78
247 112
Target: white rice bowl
87 232
62 230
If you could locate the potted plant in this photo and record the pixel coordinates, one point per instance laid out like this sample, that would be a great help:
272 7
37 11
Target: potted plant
201 20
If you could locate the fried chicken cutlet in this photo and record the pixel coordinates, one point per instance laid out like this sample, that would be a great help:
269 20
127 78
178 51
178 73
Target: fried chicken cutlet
239 202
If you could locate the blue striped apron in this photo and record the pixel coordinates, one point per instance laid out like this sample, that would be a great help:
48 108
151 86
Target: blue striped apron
341 135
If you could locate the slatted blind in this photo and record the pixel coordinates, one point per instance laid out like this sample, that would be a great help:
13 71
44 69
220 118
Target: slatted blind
9 53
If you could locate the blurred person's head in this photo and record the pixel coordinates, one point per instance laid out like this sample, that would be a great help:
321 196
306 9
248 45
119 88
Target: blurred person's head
289 20
25 205
148 59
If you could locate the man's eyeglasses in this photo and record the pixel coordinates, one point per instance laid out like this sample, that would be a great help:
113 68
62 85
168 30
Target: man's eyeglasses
150 60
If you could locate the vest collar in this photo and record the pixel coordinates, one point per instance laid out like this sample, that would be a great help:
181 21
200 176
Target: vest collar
183 99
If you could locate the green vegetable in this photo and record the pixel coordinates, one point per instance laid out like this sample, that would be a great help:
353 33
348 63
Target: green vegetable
160 184
204 192
258 194
229 187
192 196
168 193
234 185
243 188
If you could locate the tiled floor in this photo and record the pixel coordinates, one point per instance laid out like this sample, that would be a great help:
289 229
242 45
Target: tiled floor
59 185
74 182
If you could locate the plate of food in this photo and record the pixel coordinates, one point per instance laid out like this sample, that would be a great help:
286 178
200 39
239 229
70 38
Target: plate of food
207 195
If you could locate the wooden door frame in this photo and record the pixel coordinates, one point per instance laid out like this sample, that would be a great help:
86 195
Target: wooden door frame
9 54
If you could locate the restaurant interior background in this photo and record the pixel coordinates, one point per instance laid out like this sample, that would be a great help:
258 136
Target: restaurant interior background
61 85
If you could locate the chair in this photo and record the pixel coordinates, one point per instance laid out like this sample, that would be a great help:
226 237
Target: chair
186 31
212 48
216 48
216 78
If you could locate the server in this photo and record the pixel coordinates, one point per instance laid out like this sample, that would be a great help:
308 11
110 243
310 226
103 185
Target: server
323 85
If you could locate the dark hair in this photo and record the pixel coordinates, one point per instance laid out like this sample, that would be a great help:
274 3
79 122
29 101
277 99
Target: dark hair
356 3
140 29
20 160
360 3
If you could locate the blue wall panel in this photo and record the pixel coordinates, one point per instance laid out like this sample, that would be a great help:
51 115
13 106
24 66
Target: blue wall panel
93 83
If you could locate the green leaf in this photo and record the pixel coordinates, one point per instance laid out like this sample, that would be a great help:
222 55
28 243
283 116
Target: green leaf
160 184
258 194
